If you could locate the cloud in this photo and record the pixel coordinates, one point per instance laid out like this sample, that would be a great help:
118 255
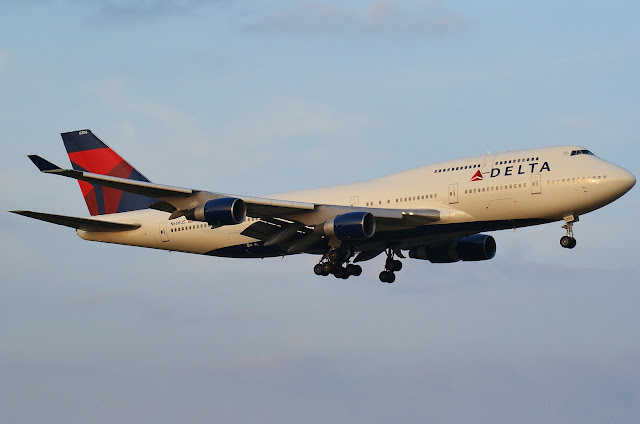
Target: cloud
380 16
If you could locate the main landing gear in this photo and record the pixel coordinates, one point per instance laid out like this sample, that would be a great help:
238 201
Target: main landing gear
568 241
391 265
336 262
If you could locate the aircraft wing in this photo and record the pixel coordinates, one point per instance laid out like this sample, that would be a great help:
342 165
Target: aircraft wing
173 198
299 215
86 224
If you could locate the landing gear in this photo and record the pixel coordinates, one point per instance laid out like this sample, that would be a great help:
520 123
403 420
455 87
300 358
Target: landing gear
390 266
568 241
387 276
334 263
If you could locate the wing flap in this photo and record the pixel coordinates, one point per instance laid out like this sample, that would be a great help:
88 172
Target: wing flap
86 224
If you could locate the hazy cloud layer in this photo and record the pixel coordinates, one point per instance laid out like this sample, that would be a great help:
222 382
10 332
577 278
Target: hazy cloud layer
381 16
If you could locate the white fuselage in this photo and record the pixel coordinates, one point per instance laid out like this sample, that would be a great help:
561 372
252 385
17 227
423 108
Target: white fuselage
523 187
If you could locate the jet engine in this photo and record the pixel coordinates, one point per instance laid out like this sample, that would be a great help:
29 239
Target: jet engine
478 247
350 226
222 211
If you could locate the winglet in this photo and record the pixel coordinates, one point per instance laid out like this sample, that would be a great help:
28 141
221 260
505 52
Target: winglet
43 164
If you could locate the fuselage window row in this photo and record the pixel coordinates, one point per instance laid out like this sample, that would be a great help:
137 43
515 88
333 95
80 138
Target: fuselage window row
407 199
504 162
457 168
495 188
592 179
189 227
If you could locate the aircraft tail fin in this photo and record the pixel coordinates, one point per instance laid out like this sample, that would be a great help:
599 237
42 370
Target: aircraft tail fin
88 153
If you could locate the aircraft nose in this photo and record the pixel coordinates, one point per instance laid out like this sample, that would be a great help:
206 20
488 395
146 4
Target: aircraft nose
626 180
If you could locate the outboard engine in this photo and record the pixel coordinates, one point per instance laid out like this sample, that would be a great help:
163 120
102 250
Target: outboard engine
478 247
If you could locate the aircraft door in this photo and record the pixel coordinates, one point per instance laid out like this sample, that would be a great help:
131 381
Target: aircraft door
164 236
487 164
354 201
453 193
535 184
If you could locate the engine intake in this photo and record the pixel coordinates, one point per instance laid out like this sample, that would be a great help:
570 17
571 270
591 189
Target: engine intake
222 211
350 226
478 247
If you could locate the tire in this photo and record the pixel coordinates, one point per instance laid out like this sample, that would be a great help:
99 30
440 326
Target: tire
327 267
397 265
335 256
391 278
566 242
354 270
318 269
340 273
383 276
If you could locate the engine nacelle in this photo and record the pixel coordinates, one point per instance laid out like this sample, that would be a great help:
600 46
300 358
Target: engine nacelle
478 247
350 226
222 211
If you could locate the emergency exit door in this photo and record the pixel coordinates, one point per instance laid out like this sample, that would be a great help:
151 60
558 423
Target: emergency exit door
453 193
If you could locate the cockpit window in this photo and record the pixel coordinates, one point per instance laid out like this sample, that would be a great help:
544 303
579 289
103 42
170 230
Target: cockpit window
581 152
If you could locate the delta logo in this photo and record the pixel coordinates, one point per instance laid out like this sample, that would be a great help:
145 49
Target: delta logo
477 176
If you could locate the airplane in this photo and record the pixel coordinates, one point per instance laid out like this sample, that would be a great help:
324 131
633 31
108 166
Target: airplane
435 213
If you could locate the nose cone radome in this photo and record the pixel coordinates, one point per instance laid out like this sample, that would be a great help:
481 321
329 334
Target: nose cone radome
625 181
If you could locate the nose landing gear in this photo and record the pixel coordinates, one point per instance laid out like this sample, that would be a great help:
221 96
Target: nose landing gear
568 241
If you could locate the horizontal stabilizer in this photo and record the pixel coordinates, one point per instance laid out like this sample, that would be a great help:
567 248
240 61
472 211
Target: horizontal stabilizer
86 224
43 164
144 188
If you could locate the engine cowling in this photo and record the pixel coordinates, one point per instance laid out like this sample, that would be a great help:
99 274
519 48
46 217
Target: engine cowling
351 226
478 247
222 211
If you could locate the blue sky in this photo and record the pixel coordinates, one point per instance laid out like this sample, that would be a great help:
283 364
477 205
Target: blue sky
260 97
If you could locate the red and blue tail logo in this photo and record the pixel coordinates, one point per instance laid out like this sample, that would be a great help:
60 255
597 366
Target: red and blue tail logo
89 154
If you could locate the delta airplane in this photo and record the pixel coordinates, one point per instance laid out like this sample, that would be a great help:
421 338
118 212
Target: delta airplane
433 213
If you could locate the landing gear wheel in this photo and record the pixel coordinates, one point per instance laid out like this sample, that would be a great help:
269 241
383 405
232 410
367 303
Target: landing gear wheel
327 267
341 273
318 269
397 265
354 270
568 242
335 255
387 277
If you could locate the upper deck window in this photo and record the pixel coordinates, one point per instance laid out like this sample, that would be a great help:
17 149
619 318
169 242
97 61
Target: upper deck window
581 152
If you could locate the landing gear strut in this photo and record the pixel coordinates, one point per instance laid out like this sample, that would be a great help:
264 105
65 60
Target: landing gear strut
336 262
391 265
568 241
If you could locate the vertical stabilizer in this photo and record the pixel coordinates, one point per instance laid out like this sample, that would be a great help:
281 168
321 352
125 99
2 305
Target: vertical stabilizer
88 153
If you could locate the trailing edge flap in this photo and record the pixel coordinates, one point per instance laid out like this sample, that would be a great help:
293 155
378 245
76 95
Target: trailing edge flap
85 224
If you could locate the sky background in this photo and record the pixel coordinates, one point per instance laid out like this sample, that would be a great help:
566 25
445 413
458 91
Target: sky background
264 97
